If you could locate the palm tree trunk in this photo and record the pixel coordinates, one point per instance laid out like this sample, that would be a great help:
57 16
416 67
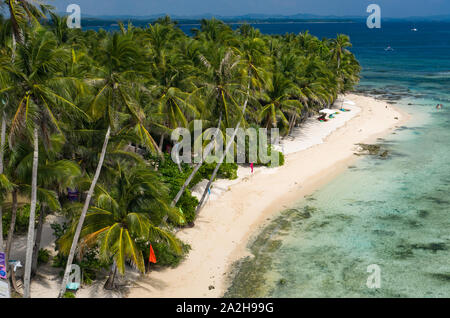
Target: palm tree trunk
83 215
2 146
14 44
161 143
227 148
186 183
10 274
37 244
1 230
292 123
12 225
30 238
178 159
109 285
196 167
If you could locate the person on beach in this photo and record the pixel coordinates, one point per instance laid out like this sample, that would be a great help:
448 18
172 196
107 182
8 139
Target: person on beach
251 166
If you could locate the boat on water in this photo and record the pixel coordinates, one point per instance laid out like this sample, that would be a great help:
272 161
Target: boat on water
389 49
414 30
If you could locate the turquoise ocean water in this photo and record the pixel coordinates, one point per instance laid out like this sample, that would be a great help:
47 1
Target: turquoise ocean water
392 212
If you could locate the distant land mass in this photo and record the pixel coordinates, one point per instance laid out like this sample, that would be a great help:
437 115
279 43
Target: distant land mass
89 20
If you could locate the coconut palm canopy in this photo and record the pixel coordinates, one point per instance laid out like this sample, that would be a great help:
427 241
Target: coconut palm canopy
93 112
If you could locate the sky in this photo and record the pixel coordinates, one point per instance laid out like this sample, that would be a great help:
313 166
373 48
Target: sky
389 8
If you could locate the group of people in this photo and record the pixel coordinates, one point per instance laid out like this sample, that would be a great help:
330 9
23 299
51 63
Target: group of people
439 106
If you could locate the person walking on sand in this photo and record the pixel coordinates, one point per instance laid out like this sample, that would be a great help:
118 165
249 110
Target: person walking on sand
251 166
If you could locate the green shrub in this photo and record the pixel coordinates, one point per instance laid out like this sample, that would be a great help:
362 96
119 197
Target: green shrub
175 179
269 152
59 261
229 171
280 160
22 220
226 171
58 229
69 295
89 265
166 257
188 203
43 256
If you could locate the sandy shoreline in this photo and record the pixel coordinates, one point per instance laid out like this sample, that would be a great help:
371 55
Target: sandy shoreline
238 208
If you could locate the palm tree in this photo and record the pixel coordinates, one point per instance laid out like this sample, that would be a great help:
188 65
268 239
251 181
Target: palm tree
196 167
173 102
39 93
20 12
2 148
220 89
23 11
252 52
277 101
55 175
123 215
120 63
215 31
220 82
339 48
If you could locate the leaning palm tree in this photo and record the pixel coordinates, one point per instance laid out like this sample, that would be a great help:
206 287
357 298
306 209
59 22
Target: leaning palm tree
120 65
124 214
41 102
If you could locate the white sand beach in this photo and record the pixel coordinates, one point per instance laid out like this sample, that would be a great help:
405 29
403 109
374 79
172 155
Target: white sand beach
315 153
237 208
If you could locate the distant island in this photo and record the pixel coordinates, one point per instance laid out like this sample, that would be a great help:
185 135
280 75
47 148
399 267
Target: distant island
108 20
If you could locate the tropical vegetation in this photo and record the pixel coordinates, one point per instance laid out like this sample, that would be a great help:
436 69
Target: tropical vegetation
91 113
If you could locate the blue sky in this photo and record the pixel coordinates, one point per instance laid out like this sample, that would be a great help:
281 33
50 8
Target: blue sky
390 8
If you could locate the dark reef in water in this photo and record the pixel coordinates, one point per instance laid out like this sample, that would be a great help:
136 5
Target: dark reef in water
248 274
434 247
445 277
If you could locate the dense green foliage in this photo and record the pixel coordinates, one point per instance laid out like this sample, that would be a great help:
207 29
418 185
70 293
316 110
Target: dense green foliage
21 225
69 87
174 179
43 256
